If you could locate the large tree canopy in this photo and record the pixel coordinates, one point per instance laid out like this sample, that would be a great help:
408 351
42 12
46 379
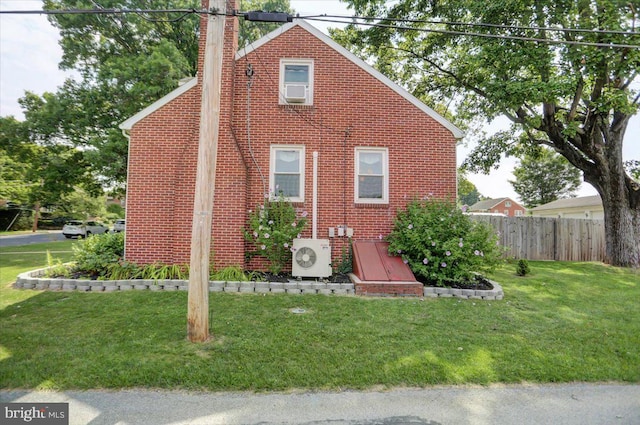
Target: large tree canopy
526 60
123 62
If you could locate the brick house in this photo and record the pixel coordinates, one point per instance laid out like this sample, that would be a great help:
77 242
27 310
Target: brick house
505 206
286 97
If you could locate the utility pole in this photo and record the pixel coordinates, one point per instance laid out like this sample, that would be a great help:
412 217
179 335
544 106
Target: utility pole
198 308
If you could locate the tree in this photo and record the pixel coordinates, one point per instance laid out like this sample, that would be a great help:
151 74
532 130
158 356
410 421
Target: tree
574 98
251 31
124 62
37 174
467 192
543 176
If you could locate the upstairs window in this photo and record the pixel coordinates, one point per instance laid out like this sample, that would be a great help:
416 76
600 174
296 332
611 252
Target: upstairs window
296 82
287 172
372 176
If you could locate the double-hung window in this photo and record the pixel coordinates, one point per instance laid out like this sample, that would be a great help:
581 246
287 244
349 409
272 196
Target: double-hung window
296 81
287 172
372 175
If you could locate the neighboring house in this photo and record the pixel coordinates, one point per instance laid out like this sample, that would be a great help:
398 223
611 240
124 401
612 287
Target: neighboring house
587 207
286 97
504 206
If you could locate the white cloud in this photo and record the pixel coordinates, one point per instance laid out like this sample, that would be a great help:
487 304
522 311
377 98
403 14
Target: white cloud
29 56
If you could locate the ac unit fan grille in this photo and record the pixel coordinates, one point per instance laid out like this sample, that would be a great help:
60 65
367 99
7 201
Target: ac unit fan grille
306 257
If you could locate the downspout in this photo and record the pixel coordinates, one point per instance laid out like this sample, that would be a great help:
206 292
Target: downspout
314 212
128 137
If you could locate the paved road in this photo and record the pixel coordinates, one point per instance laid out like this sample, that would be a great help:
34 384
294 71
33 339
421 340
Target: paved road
570 404
17 240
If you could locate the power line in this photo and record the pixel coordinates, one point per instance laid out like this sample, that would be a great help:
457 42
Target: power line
484 35
328 18
101 11
469 24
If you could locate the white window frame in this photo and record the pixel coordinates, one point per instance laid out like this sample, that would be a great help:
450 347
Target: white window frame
385 175
309 88
272 169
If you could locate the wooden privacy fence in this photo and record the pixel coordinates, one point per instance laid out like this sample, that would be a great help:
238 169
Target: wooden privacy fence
542 238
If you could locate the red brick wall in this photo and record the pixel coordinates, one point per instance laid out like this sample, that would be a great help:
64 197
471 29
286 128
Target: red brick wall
163 156
351 109
346 98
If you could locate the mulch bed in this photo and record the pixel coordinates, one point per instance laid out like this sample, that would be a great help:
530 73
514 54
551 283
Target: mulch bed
286 277
478 283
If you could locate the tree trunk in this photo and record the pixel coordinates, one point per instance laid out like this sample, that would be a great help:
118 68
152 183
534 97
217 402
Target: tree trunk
36 214
621 203
622 234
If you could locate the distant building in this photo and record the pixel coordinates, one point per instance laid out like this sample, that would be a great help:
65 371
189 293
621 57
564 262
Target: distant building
505 206
587 207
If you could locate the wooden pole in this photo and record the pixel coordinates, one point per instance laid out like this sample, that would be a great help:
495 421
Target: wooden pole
198 308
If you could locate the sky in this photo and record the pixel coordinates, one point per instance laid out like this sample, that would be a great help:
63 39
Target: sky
29 57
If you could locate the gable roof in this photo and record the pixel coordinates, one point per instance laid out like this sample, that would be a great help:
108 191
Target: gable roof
126 125
457 133
583 201
487 204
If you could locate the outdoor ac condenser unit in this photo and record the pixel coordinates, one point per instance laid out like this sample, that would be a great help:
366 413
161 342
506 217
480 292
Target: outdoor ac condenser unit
311 258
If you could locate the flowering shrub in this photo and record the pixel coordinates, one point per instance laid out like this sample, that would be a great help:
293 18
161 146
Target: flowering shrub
441 244
272 228
93 255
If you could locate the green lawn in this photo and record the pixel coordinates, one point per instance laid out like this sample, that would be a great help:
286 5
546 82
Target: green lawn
18 259
566 322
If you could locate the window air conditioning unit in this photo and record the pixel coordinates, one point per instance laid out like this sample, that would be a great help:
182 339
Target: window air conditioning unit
311 258
295 93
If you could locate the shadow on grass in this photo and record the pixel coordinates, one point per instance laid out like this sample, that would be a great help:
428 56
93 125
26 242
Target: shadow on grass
545 330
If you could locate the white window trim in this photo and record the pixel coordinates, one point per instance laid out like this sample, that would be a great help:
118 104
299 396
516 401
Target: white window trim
309 92
272 169
385 177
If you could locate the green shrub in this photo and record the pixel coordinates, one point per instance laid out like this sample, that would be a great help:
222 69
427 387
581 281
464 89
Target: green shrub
230 274
522 269
94 254
345 265
56 268
123 270
442 245
272 228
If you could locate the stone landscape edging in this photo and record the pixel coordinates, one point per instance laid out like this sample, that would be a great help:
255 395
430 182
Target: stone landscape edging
36 279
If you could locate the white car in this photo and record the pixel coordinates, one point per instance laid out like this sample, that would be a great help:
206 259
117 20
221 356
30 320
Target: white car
119 226
79 229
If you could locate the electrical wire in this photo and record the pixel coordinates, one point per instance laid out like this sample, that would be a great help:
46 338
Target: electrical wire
483 35
353 20
471 24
